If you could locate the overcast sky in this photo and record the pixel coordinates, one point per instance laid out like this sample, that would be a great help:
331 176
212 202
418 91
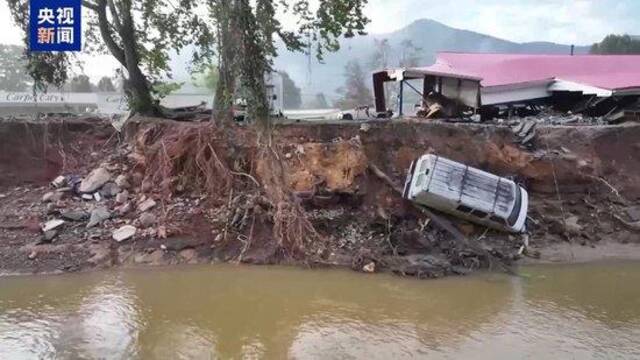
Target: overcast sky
577 22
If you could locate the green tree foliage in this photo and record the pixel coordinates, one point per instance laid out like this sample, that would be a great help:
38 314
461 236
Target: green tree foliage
292 96
249 52
208 79
105 84
164 88
355 91
138 33
81 83
617 44
13 75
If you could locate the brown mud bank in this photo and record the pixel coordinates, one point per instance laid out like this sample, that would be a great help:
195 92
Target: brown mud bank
196 194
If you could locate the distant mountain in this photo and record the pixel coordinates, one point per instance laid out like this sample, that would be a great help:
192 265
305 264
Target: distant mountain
429 35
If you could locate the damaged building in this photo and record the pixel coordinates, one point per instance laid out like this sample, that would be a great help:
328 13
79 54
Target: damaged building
502 85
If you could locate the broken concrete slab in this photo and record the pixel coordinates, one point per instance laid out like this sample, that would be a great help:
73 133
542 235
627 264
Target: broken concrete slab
125 232
94 181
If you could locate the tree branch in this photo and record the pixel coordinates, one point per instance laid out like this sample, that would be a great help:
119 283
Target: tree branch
90 5
114 14
107 35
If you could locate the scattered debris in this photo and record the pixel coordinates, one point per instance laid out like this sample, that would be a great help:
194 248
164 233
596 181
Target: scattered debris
122 197
124 233
52 224
52 196
48 236
59 182
370 267
98 215
109 190
94 181
75 215
122 181
146 205
147 220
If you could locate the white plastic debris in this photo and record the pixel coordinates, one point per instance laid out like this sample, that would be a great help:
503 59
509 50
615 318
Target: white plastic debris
52 224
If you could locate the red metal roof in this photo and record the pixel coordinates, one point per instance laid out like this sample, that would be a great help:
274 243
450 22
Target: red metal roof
612 72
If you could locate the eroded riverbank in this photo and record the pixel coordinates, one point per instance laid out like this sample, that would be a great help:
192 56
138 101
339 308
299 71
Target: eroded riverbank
195 194
223 311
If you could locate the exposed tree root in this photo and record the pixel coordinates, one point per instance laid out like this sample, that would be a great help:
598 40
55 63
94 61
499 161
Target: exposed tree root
291 227
189 157
201 158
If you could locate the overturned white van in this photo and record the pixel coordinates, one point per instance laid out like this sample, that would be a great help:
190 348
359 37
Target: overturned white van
468 193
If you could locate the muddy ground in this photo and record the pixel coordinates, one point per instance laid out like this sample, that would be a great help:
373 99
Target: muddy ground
215 197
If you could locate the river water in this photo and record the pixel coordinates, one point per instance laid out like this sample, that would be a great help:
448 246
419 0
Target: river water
207 312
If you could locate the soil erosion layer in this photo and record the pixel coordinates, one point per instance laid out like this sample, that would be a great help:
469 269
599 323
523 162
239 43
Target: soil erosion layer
165 192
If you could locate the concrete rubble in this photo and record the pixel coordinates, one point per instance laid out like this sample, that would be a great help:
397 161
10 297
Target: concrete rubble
124 233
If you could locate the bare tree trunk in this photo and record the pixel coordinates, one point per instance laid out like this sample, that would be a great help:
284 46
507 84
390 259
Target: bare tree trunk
253 65
227 51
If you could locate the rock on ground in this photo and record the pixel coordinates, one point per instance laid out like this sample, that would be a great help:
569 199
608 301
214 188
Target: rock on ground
52 224
146 205
98 215
95 180
124 233
147 220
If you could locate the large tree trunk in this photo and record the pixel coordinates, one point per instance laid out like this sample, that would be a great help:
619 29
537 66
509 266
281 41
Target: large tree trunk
227 52
253 65
136 85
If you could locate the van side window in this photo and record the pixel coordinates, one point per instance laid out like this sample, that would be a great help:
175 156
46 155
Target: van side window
464 209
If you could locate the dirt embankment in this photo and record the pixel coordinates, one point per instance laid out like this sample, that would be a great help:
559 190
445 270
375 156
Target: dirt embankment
308 196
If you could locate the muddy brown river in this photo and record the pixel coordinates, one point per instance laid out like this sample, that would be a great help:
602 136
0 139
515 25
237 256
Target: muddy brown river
207 312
